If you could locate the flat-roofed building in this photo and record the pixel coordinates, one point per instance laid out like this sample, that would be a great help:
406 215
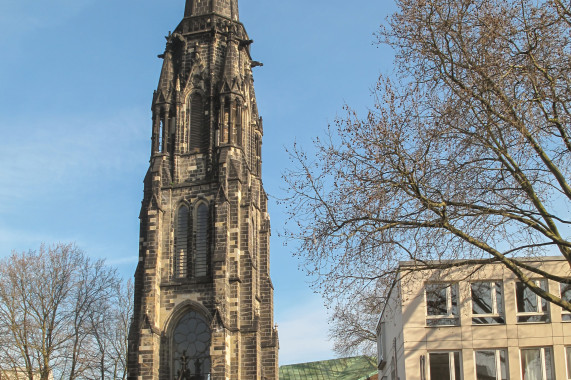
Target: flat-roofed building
474 322
20 374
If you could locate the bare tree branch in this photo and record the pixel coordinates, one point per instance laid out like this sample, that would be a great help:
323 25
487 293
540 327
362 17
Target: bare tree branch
57 309
465 155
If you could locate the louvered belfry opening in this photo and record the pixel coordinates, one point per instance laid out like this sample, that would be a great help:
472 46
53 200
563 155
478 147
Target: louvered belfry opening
198 131
191 261
201 247
238 123
181 262
225 122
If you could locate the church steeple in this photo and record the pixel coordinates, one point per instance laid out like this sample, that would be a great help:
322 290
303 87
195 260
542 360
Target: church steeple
203 294
226 8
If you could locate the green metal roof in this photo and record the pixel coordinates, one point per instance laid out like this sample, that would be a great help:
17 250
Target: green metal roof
337 369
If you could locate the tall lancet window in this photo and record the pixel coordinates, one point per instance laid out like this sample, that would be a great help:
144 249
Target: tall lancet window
191 347
238 123
181 261
201 258
198 131
225 120
162 134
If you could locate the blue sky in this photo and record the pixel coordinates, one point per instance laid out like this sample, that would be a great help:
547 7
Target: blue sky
76 82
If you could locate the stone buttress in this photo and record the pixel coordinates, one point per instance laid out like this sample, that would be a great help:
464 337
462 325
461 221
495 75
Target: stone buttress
203 295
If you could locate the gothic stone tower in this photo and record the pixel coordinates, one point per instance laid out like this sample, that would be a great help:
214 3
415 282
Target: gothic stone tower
203 294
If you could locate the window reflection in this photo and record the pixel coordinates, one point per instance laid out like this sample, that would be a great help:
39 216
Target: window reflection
445 365
441 305
537 364
491 365
487 303
530 307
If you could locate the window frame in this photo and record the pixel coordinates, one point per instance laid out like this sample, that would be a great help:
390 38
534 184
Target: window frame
567 363
451 364
199 242
541 359
381 345
497 362
449 307
197 315
539 302
565 314
182 249
496 313
196 121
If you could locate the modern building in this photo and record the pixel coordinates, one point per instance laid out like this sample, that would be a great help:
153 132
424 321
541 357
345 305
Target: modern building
203 295
475 322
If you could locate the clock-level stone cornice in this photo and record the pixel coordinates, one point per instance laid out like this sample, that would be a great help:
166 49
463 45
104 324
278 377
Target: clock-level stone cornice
212 23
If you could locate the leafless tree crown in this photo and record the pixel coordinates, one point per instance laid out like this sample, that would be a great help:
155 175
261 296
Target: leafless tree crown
62 316
465 154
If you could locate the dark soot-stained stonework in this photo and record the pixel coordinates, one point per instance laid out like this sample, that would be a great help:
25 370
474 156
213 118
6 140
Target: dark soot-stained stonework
205 230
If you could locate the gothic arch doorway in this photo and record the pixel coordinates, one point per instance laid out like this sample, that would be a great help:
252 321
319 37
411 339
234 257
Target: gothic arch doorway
190 348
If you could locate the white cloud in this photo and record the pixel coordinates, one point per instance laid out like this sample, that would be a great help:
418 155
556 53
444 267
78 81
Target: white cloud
303 333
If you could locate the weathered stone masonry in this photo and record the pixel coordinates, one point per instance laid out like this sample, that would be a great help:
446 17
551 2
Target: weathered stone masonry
203 294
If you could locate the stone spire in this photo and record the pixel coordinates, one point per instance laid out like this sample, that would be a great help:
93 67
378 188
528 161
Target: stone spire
203 294
225 8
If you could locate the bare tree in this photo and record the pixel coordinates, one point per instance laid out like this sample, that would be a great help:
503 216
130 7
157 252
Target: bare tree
110 332
49 302
353 322
466 154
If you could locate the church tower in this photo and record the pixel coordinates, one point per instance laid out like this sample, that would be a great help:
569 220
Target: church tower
203 294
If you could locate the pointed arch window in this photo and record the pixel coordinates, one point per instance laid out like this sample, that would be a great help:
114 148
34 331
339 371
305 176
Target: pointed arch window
190 350
238 123
258 148
197 126
201 256
181 262
225 121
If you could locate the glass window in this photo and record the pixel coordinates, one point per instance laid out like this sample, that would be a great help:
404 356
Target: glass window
487 302
441 305
531 307
444 366
191 347
381 349
568 361
565 295
537 364
491 365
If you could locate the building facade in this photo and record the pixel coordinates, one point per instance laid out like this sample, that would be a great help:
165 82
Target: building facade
475 322
203 295
22 374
